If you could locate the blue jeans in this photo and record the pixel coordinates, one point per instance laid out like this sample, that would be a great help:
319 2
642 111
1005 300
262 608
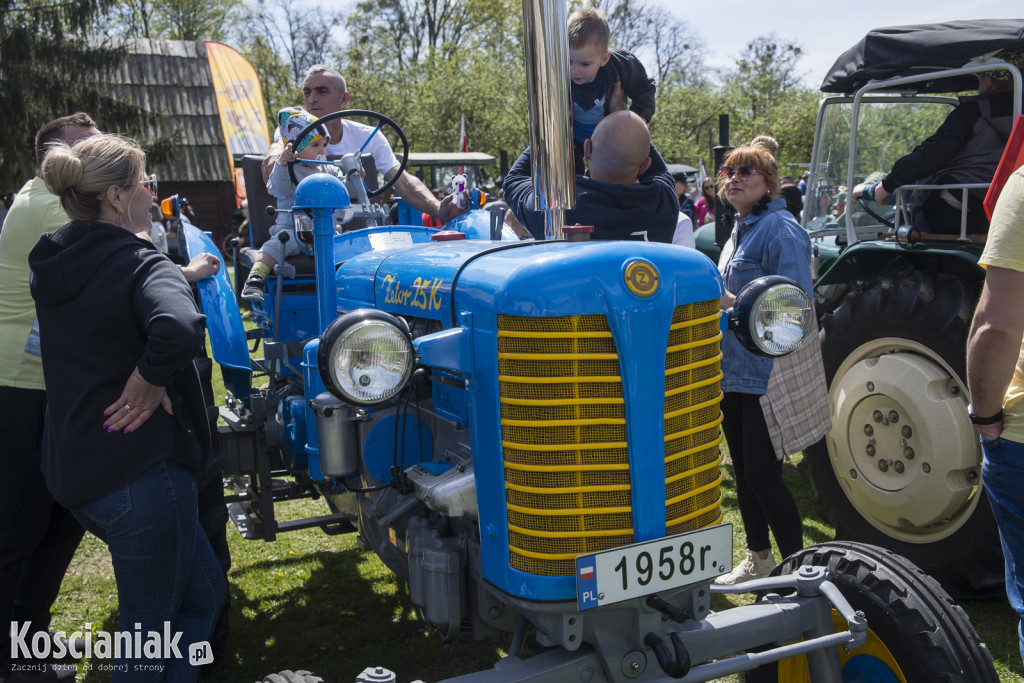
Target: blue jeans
1003 475
165 568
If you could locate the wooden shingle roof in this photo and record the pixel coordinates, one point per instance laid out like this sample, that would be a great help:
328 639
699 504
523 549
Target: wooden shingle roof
172 79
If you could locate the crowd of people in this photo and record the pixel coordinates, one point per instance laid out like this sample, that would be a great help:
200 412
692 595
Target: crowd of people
106 415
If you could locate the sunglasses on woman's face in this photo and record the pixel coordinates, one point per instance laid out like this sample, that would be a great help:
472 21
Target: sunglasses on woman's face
744 172
149 182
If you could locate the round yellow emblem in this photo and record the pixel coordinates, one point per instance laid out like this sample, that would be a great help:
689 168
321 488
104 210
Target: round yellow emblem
641 278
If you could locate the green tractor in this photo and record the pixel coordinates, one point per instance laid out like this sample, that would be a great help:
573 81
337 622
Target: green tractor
901 466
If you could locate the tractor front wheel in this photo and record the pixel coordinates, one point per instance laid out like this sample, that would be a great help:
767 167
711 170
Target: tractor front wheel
916 634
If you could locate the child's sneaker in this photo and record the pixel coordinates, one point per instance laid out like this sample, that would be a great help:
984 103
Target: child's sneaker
253 289
751 568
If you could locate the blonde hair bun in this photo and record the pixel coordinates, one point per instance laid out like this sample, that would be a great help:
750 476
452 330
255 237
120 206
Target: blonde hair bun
767 143
62 169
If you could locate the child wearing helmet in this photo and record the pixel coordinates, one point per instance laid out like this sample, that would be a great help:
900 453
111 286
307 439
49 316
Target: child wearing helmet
312 147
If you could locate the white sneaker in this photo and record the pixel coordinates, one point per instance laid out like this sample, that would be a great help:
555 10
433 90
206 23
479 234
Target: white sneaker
751 568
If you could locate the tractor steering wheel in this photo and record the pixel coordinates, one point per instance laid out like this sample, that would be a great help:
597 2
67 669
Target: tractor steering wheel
382 120
870 212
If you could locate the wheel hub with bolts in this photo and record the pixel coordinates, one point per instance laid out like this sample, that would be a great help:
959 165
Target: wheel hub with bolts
901 439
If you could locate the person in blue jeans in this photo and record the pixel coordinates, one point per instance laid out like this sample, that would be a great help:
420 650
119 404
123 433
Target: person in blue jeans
127 436
995 378
767 240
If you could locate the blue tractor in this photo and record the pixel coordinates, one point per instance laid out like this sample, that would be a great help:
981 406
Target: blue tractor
528 433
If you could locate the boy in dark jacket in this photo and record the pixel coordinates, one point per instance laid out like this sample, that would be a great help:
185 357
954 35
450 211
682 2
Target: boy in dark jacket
602 79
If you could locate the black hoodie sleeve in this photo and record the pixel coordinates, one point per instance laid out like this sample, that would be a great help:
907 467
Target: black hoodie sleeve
938 151
174 327
666 211
638 86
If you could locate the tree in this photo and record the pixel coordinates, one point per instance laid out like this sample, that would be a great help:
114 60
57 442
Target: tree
172 19
195 19
129 18
49 69
765 95
426 85
685 127
649 31
679 51
301 33
407 32
765 75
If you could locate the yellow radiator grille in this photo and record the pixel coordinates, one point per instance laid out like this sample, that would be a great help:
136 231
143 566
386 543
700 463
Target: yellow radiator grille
563 426
693 471
563 418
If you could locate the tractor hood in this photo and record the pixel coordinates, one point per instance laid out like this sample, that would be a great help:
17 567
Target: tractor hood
524 278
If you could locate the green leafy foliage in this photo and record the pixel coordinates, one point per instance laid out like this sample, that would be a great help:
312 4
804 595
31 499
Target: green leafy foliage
195 19
172 19
424 63
763 95
45 64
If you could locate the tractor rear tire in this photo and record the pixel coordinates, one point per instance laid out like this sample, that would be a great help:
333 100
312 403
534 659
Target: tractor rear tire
915 630
901 467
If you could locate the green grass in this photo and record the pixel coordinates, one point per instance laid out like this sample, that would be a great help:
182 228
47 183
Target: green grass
317 602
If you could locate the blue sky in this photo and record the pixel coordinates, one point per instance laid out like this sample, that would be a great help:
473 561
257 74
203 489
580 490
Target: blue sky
823 29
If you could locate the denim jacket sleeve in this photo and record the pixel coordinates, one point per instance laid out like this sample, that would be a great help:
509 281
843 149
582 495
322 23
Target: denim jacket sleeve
777 246
790 256
638 86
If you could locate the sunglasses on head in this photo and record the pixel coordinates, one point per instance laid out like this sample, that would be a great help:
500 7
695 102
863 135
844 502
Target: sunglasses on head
743 172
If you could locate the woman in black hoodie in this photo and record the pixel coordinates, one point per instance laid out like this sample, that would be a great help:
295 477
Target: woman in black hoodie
127 432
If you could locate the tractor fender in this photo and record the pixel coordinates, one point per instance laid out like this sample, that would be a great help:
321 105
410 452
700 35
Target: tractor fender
223 317
867 261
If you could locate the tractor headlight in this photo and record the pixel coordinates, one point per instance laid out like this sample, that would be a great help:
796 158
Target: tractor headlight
365 357
772 316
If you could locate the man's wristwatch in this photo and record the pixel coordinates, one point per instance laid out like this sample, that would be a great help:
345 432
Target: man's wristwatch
983 421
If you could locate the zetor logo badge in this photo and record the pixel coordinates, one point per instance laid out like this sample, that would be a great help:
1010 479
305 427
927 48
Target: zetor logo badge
641 278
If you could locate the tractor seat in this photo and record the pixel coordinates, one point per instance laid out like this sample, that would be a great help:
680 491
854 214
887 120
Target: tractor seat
260 222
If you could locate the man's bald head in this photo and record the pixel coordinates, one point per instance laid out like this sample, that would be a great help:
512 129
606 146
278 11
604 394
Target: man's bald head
620 148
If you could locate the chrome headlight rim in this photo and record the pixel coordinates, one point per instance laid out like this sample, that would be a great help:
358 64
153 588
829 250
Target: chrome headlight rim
339 330
747 306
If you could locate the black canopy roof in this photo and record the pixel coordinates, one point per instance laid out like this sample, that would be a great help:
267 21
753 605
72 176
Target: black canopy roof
920 48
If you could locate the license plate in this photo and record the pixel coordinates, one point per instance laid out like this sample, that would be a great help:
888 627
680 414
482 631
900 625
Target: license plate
640 569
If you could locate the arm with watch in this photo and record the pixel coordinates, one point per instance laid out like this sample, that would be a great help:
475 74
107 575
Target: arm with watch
993 347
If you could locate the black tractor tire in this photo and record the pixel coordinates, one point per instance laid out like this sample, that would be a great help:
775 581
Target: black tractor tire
897 348
914 627
293 677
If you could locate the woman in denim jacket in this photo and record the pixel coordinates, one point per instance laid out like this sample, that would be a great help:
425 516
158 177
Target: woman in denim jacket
767 240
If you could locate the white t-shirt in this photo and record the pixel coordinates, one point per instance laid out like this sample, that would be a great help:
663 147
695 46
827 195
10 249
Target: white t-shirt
683 235
353 135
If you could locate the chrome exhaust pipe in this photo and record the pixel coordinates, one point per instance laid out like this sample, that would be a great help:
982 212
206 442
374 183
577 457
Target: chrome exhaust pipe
547 84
